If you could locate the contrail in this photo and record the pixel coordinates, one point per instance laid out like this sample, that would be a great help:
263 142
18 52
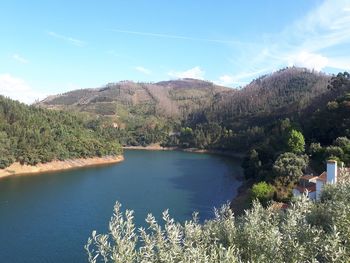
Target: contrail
149 34
71 40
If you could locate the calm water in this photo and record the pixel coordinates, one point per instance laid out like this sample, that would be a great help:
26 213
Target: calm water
48 217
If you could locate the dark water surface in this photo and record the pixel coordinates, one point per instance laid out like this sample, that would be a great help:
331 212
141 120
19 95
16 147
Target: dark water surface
48 217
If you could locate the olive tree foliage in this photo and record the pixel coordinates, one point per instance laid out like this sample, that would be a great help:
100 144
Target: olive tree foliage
306 232
175 242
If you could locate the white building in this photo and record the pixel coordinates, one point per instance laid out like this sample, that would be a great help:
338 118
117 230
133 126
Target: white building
313 185
307 185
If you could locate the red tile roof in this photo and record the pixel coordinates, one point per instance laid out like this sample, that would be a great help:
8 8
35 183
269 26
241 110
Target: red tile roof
310 189
279 206
308 177
323 177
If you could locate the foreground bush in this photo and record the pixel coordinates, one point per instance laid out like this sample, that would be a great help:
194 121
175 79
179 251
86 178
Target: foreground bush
306 232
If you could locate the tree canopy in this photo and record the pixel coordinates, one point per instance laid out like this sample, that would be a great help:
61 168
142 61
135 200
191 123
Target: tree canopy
32 135
296 142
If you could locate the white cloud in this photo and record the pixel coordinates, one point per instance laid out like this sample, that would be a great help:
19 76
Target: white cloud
319 40
239 79
20 59
18 89
308 60
326 26
73 86
233 80
143 70
70 40
226 80
193 73
339 63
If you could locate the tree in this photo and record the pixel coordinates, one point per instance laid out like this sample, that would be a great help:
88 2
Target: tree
263 192
251 164
289 166
342 142
32 135
315 148
334 152
186 136
296 142
6 154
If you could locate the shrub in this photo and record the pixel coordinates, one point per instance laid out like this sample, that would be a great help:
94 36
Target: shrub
263 192
305 232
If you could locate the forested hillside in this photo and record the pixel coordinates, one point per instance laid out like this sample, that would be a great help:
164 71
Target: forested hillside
144 113
31 135
127 100
279 94
207 115
293 116
290 147
239 119
194 113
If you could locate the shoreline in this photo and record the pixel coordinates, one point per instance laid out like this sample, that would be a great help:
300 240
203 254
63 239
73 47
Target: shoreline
238 203
55 166
157 147
70 164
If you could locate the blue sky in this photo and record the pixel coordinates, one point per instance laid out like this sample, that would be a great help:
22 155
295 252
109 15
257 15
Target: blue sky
50 47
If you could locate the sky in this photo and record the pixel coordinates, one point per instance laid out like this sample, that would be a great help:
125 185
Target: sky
53 46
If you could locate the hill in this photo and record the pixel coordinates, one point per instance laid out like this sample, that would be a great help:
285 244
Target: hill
293 114
276 95
147 113
143 113
32 135
195 113
126 100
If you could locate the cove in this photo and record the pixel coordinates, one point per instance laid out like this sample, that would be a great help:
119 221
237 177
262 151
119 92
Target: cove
48 217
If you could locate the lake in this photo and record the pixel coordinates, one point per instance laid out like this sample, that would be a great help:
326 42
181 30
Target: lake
49 217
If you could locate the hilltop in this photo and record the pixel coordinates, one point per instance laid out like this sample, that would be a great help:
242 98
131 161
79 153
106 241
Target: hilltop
281 93
147 113
286 91
124 100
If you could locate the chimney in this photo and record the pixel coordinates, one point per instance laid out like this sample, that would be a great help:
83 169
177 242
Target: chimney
332 171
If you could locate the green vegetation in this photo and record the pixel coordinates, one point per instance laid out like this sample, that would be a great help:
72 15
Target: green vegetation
263 192
274 119
219 117
289 166
287 122
305 232
32 135
144 113
276 147
296 142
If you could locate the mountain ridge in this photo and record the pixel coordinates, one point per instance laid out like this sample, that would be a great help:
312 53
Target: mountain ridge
123 100
146 113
